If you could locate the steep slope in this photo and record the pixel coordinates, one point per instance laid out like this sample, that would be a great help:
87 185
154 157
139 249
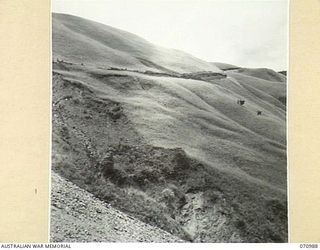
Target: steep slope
77 216
174 150
79 40
123 136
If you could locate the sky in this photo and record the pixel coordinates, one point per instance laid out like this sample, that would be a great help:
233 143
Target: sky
246 33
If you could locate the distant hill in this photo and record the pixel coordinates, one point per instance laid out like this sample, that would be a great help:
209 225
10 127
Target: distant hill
283 72
263 73
225 66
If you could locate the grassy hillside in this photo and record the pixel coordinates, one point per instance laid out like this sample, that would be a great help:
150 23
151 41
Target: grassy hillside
81 40
175 150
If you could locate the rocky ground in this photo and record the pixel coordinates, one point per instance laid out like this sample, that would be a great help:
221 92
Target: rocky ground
78 216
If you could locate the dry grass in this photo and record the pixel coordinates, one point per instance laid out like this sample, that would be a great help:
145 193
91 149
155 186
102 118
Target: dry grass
177 153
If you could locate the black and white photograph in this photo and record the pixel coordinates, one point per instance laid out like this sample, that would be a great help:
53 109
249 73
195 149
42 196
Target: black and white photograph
169 121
